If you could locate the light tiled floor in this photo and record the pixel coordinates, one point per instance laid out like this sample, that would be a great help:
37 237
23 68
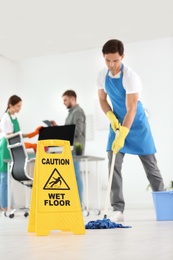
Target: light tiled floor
147 239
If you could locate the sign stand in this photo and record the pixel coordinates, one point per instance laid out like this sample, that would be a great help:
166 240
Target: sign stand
55 203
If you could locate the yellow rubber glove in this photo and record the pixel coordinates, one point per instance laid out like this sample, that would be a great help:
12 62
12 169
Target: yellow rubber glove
36 132
114 121
118 143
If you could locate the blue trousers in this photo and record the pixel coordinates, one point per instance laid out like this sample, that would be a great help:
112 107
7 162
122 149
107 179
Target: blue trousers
3 190
78 179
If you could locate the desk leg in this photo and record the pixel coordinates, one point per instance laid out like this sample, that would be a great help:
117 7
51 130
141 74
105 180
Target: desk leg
98 189
85 187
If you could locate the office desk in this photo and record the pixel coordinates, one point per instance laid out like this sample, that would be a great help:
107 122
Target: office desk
85 159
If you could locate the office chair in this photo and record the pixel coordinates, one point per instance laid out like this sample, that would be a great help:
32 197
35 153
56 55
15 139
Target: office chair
21 168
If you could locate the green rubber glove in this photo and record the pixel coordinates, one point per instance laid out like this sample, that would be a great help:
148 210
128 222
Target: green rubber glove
114 121
118 143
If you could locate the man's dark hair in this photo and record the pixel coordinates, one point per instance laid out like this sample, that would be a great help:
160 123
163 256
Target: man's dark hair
113 46
69 93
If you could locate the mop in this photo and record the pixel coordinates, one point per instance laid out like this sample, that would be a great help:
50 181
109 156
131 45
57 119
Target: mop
106 223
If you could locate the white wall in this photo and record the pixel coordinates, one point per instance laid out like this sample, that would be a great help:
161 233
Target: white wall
41 82
7 82
8 78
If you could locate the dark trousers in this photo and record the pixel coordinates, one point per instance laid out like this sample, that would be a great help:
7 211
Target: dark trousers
152 171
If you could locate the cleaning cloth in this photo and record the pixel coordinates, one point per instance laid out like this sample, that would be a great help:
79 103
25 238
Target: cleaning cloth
104 224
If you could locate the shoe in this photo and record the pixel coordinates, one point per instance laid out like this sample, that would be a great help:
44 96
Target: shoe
116 216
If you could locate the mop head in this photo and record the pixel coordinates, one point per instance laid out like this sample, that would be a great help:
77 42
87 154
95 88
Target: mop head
104 224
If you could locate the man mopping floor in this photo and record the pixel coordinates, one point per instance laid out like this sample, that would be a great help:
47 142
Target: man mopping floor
123 87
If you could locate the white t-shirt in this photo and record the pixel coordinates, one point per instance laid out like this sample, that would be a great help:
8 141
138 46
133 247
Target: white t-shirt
6 124
131 81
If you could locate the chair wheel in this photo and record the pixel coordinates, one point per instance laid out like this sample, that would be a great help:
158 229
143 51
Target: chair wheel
11 215
97 212
85 213
26 214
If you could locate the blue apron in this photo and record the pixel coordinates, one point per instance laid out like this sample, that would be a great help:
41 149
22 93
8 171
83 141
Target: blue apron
139 141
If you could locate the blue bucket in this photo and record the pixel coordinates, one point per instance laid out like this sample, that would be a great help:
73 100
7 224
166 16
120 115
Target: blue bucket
163 203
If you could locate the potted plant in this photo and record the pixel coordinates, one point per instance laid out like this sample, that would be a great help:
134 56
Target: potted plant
78 148
168 187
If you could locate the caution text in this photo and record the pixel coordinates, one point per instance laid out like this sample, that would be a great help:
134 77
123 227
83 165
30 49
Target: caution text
56 161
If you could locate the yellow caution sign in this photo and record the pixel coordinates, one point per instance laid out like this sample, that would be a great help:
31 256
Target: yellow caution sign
55 203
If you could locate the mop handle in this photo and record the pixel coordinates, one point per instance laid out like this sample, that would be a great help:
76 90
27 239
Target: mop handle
109 186
110 182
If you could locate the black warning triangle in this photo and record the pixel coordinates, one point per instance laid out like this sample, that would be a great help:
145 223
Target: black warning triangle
56 182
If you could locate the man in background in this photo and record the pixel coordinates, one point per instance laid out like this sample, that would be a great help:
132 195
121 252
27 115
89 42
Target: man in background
77 117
